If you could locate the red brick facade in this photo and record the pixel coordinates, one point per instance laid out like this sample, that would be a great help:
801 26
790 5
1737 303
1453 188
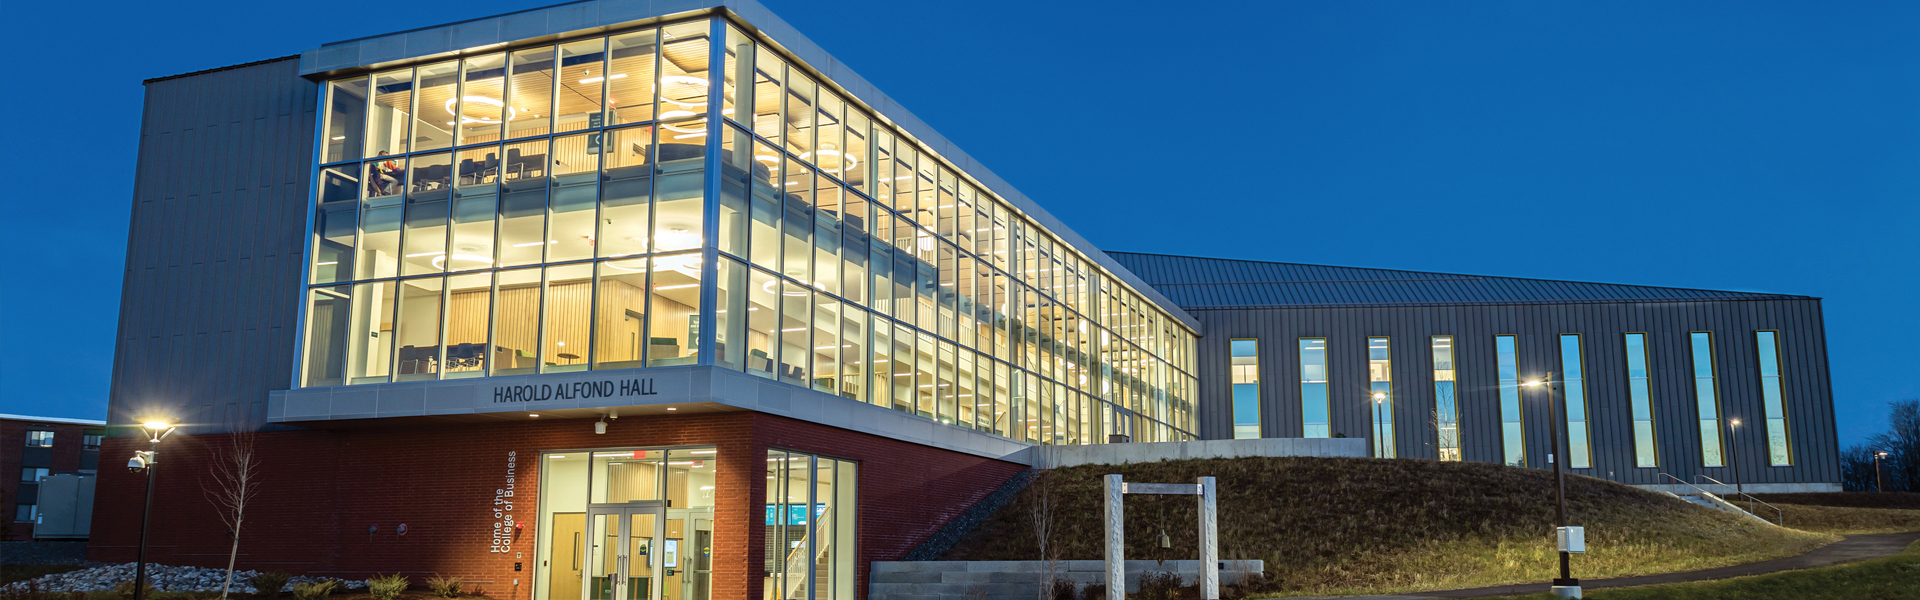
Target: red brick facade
66 456
325 488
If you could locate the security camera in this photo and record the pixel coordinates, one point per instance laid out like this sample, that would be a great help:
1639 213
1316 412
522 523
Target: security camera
136 464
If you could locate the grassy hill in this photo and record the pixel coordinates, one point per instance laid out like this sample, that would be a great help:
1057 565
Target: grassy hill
1346 525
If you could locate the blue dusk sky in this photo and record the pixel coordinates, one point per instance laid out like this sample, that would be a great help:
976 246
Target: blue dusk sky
1753 146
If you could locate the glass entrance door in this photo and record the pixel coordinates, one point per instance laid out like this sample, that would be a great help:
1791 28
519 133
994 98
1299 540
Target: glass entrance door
623 555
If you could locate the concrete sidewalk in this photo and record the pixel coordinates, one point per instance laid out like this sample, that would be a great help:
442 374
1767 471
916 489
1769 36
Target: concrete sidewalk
1853 548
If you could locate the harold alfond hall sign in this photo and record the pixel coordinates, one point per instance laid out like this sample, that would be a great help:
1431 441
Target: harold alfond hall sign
578 390
549 392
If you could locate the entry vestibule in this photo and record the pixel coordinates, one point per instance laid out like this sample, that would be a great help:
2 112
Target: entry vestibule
626 524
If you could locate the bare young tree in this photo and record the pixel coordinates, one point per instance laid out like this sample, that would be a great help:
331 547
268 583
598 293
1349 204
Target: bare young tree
235 470
1040 510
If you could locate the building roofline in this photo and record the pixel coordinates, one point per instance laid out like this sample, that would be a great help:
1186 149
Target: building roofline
1726 294
218 69
62 420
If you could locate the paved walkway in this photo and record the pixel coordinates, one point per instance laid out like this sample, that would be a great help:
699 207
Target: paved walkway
1852 549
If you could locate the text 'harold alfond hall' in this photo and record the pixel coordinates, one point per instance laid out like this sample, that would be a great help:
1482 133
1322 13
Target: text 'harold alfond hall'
427 266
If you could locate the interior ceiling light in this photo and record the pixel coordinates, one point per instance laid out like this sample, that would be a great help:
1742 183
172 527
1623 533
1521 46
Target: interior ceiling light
472 100
829 149
440 261
597 79
768 287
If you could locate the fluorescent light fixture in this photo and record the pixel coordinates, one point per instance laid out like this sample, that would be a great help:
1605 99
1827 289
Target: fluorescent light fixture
339 137
536 243
676 287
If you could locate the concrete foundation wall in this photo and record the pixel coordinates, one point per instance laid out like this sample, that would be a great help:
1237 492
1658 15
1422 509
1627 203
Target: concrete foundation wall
1751 488
1045 457
1020 580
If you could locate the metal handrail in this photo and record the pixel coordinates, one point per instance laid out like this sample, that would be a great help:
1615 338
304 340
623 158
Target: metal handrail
1683 482
1779 516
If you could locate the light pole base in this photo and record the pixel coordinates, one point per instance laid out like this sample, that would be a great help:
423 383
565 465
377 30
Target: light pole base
1566 591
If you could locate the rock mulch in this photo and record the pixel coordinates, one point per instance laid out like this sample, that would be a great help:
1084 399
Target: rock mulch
164 578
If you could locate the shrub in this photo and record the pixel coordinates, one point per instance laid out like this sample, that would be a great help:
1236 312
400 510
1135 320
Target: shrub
314 590
270 583
387 587
1159 586
1064 589
1094 591
125 589
444 586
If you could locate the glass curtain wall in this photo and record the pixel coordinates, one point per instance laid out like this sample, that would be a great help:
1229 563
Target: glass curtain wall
1779 452
1446 406
1640 395
1246 389
1513 440
811 549
1706 397
1380 395
570 181
1574 399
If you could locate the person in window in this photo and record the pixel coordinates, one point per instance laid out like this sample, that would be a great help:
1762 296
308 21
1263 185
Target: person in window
383 177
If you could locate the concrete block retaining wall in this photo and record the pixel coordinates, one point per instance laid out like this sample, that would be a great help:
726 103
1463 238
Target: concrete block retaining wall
1045 457
1020 580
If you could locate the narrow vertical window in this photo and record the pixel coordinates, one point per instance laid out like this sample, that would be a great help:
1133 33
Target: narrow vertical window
1380 394
1574 397
1779 451
1706 399
1513 442
1313 388
1446 408
1640 394
1246 389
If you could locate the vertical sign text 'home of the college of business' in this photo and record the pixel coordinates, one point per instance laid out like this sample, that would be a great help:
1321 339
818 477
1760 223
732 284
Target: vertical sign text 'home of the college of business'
579 390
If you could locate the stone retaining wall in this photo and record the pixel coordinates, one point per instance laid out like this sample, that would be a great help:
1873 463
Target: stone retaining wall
1020 580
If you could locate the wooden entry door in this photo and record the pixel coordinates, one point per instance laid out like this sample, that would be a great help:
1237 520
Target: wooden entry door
568 554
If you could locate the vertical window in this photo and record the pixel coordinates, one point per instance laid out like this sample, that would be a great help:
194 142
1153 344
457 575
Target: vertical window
730 315
1779 452
346 114
1574 393
436 88
582 74
576 181
810 524
40 438
32 474
673 320
1706 397
516 322
1513 441
853 353
630 80
626 186
1640 395
91 441
621 315
796 312
523 204
370 340
567 328
1446 405
481 110
1313 388
26 512
429 190
531 92
469 306
679 192
1380 394
826 344
763 323
419 330
390 113
1246 389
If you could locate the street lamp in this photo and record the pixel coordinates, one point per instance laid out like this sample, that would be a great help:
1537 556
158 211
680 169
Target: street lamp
147 461
1378 442
1733 454
1566 586
1878 484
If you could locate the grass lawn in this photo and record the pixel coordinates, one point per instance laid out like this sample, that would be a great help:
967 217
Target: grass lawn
1893 578
1343 525
1843 520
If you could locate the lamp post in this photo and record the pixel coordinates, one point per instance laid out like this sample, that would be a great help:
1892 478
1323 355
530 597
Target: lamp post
1378 441
1733 455
1566 586
147 461
1878 484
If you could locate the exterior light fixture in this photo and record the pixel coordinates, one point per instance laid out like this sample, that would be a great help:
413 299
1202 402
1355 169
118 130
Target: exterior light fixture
148 461
600 428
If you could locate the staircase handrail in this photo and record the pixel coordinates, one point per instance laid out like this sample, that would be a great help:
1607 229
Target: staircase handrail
1779 516
1683 482
799 555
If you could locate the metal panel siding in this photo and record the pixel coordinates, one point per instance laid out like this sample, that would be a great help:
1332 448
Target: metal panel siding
1537 328
214 246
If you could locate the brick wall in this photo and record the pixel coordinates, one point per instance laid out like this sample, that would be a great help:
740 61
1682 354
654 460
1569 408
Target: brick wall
324 488
63 458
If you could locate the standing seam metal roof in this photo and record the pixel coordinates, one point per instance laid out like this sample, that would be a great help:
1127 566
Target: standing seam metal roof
1217 283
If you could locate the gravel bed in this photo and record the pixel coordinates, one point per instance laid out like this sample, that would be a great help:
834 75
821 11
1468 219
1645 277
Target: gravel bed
164 578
